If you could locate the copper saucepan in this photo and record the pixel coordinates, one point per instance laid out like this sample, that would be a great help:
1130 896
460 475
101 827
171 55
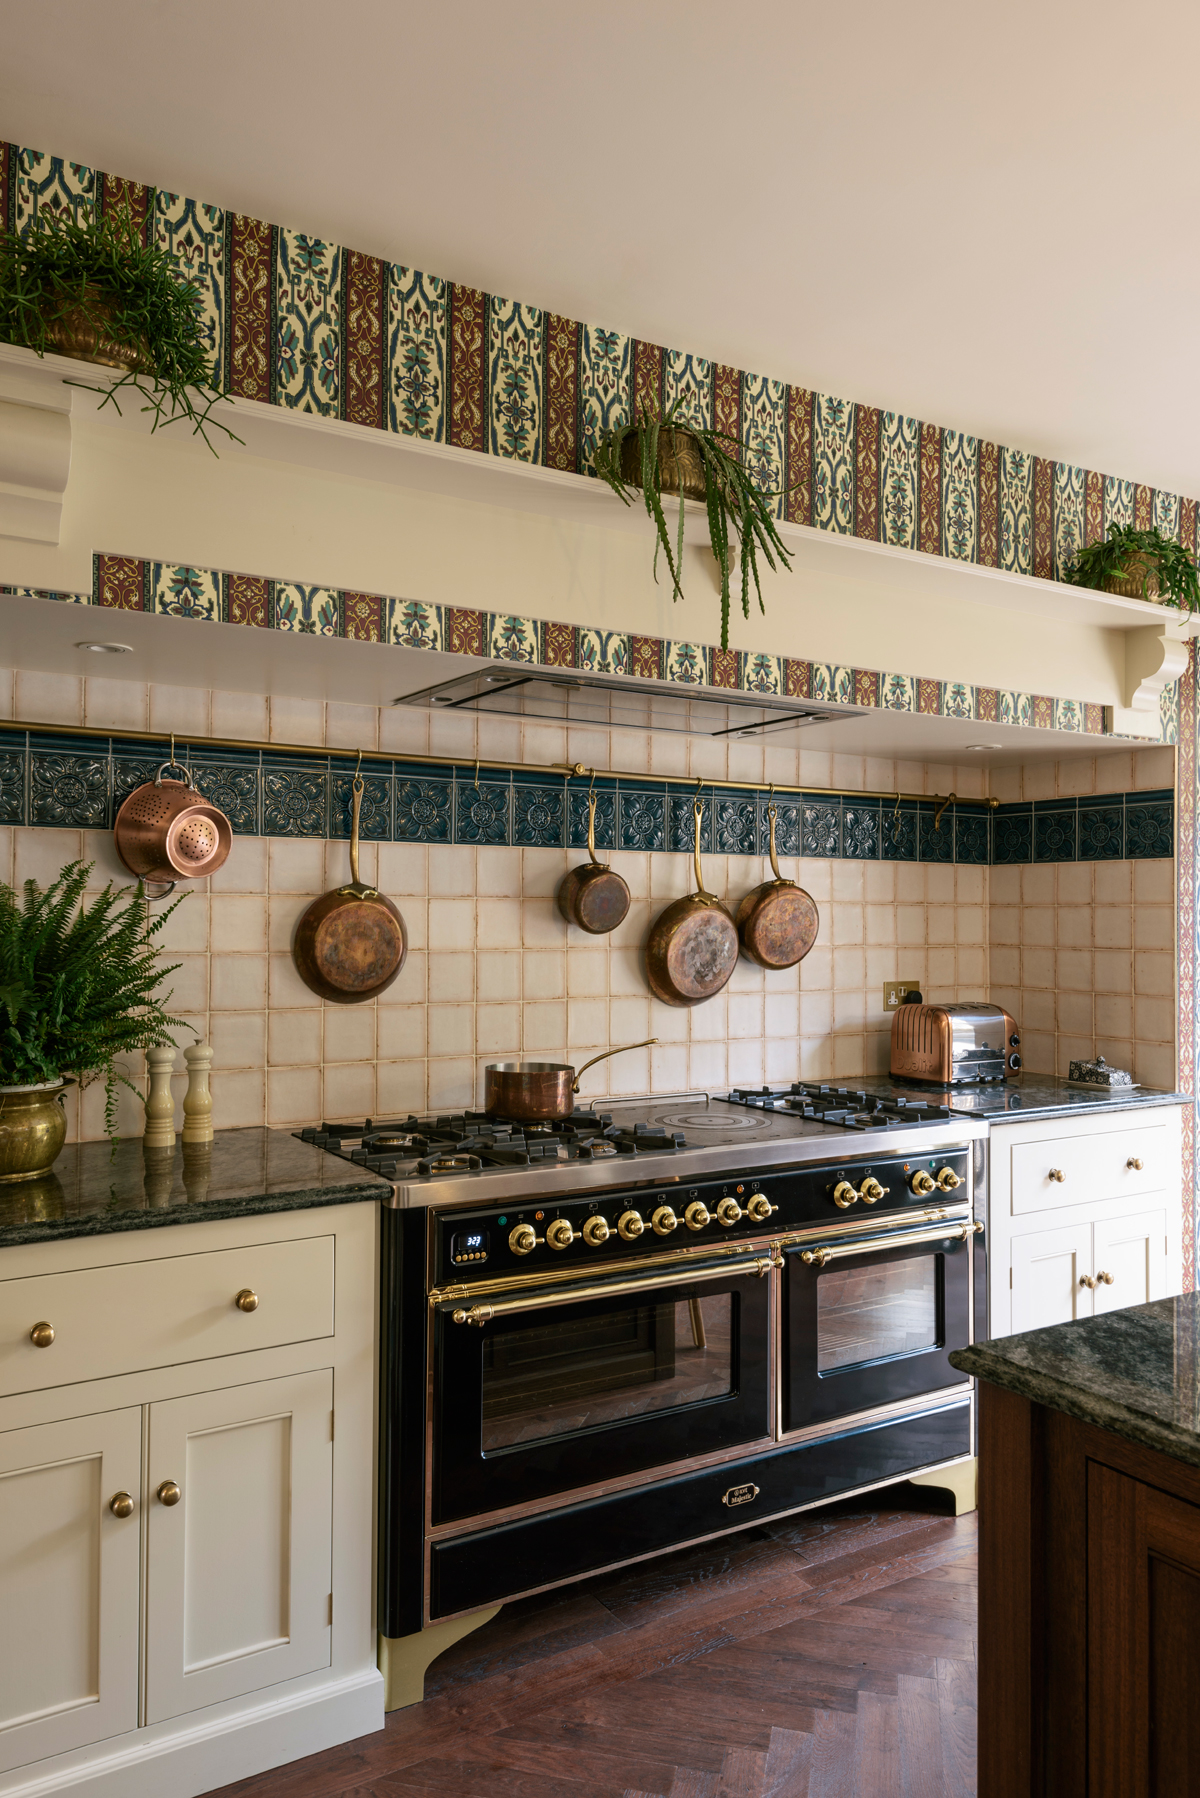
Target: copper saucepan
351 943
692 948
778 921
167 830
594 896
534 1092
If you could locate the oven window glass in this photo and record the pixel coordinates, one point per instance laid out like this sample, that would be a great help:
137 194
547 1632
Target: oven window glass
555 1378
867 1313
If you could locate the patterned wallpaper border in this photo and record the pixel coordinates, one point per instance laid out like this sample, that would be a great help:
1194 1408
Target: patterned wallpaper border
69 780
179 590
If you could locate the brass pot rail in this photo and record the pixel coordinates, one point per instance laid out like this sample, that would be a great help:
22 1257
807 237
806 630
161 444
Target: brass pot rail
571 769
537 1301
841 1250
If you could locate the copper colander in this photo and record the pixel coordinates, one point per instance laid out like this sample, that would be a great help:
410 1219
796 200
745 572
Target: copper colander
167 830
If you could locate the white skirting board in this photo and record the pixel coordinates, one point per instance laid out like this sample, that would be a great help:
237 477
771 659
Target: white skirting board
181 1761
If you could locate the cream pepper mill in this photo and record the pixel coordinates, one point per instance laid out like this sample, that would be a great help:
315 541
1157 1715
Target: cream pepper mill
160 1103
197 1105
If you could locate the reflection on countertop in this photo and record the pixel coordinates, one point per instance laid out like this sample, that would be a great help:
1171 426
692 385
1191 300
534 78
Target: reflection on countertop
1029 1097
243 1173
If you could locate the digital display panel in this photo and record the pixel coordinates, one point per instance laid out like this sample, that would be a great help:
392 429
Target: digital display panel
468 1245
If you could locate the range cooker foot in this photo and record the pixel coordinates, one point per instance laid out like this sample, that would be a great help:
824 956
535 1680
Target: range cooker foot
403 1660
959 1479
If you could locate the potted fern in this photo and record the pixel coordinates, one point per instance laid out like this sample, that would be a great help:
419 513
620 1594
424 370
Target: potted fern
77 989
1140 565
97 292
661 454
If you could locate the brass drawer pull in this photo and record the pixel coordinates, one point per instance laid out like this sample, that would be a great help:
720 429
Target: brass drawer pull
1087 1280
1135 1162
121 1505
1104 1279
1056 1173
42 1335
168 1493
246 1300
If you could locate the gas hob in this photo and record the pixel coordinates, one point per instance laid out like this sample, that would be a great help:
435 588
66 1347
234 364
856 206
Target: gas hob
852 1108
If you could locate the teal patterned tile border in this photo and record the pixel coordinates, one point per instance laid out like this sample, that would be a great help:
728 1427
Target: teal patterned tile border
70 780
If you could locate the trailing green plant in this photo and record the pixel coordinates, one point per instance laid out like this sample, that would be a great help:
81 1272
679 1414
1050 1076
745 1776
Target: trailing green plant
77 984
737 505
1127 554
132 293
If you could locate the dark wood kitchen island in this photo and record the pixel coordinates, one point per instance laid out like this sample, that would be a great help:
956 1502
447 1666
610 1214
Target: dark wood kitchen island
1089 1571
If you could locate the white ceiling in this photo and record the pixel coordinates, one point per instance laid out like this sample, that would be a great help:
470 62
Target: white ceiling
981 214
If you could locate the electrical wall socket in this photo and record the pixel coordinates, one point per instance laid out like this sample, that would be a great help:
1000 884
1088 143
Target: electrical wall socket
894 992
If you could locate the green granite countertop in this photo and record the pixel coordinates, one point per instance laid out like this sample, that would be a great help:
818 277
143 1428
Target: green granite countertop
91 1192
1135 1372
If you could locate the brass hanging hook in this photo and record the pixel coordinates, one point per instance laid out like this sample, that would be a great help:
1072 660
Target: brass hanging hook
477 774
356 783
937 816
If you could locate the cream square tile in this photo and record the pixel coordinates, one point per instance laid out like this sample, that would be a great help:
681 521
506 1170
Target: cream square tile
1037 926
337 864
246 869
297 721
746 1062
542 871
1154 767
1113 926
669 1067
587 973
846 923
879 887
241 715
188 985
351 726
1113 883
1076 882
626 974
400 1087
1005 964
816 877
452 871
41 854
186 925
1076 927
1154 927
939 883
1004 886
783 1058
48 698
816 1058
633 932
940 922
816 970
239 1098
816 1014
816 769
629 1074
849 969
498 1030
972 971
452 735
543 744
283 915
1154 1065
1077 776
748 977
415 913
849 1012
238 923
1038 1011
542 925
1114 1014
1038 968
910 925
587 1022
633 867
1038 1052
498 873
1073 1048
403 870
544 973
499 739
498 975
1039 780
239 1039
451 977
8 701
708 1067
451 1030
348 1090
499 923
350 1032
782 1014
238 982
184 710
1114 971
628 1020
411 985
452 924
1005 784
1154 882
404 729
1004 924
115 704
286 987
849 882
710 1021
745 1016
1075 1014
400 1032
451 1082
293 1096
296 865
940 975
1075 970
970 885
1038 885
294 1038
1153 971
544 1027
1154 1020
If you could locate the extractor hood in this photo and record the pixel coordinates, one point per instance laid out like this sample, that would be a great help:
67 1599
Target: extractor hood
563 696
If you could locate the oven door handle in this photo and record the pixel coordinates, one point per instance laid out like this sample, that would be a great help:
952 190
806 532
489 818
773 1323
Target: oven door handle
537 1301
835 1251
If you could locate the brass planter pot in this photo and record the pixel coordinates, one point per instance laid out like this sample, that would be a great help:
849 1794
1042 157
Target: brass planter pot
76 332
33 1129
1137 580
680 469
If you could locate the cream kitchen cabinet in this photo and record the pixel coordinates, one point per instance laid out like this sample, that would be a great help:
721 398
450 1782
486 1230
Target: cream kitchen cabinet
1085 1215
186 1502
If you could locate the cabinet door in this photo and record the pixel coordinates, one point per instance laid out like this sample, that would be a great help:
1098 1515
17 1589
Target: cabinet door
1047 1266
1133 1250
238 1573
69 1584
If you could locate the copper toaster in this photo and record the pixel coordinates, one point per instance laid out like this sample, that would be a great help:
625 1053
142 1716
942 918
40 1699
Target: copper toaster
952 1045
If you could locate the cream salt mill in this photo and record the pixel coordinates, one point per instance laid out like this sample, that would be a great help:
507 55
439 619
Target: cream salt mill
197 1105
160 1103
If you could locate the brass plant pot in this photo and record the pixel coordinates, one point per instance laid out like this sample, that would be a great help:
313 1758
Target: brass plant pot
1137 580
680 469
33 1129
73 333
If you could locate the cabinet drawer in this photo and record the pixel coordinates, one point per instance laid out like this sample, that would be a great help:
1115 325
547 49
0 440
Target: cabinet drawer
1093 1168
111 1320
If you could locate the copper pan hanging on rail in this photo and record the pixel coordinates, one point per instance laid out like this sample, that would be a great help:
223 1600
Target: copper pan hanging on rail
593 896
351 943
778 921
692 948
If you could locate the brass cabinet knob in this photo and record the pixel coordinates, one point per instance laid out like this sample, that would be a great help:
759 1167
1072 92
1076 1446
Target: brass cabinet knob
1135 1162
1056 1173
121 1505
523 1240
246 1300
168 1493
948 1180
870 1192
629 1225
664 1221
42 1335
922 1183
1087 1280
728 1212
760 1208
596 1232
696 1217
844 1194
1104 1279
559 1234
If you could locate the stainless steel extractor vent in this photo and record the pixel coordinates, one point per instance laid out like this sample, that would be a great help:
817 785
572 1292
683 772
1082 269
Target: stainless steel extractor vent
576 698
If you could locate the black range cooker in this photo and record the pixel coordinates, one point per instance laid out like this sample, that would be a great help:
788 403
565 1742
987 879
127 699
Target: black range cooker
656 1322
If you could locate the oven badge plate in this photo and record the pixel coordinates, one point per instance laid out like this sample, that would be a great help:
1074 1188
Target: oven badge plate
740 1495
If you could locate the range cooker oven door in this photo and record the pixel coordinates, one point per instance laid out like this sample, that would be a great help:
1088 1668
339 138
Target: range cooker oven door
871 1322
556 1391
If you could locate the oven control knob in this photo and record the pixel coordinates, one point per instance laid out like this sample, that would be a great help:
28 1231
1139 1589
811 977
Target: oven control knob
728 1212
870 1192
844 1195
523 1240
664 1221
760 1208
947 1179
922 1183
630 1225
595 1232
559 1234
697 1215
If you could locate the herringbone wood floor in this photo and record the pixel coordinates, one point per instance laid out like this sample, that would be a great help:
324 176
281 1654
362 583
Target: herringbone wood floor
831 1656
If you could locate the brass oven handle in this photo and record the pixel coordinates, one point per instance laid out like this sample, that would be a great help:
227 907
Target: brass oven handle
538 1301
838 1250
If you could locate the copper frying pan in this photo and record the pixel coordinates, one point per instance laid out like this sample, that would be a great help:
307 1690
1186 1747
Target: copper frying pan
778 921
594 896
351 943
692 948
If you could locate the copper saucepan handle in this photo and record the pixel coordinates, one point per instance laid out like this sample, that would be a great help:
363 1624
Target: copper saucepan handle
592 832
772 814
697 814
595 1058
356 788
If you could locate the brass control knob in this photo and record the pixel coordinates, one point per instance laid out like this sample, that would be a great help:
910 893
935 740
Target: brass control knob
728 1212
1056 1173
168 1493
947 1179
870 1192
696 1217
922 1183
523 1240
121 1505
1135 1162
595 1232
559 1234
664 1221
844 1195
42 1335
630 1225
760 1208
1104 1279
246 1300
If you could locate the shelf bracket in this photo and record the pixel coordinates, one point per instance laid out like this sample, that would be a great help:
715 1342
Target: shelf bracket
35 460
1155 657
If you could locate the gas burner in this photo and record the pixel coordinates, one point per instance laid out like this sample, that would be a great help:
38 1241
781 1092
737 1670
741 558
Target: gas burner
449 1164
848 1107
465 1141
647 1139
394 1141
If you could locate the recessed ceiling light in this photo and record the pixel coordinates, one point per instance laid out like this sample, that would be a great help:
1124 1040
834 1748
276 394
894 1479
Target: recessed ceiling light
985 746
108 649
